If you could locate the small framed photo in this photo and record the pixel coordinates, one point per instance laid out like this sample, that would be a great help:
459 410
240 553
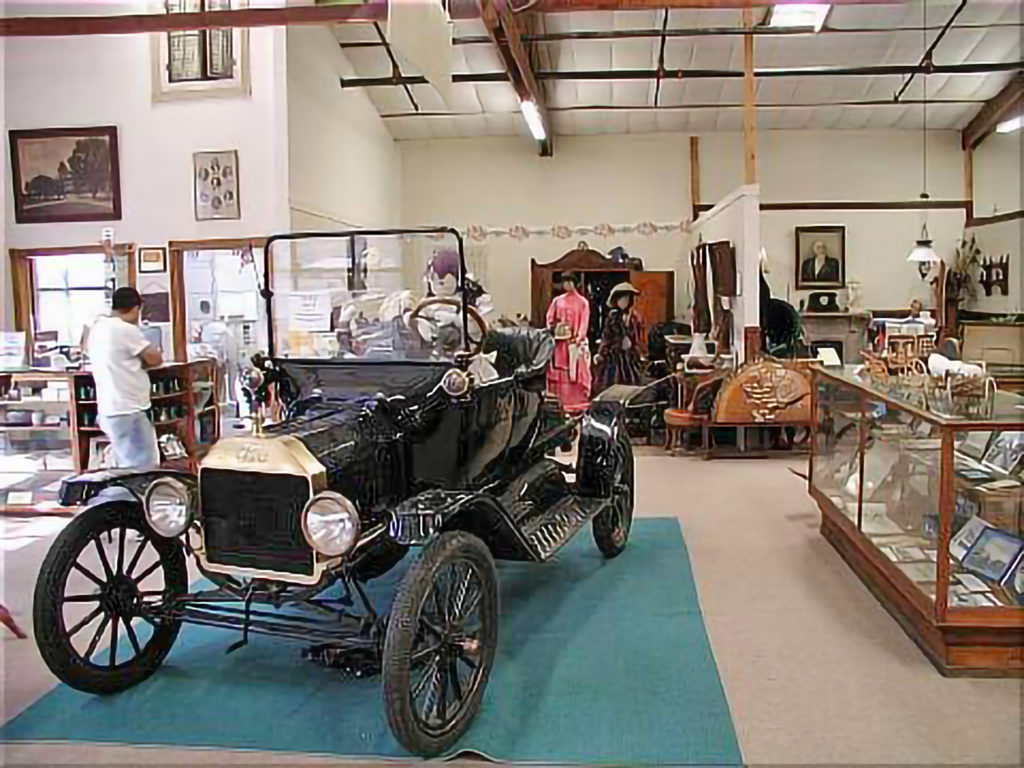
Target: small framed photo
215 175
973 444
1006 452
966 536
820 257
152 260
993 553
1015 581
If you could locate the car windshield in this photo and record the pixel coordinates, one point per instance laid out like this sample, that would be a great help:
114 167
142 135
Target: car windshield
373 295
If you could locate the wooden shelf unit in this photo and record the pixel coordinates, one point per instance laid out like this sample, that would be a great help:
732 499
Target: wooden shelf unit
83 409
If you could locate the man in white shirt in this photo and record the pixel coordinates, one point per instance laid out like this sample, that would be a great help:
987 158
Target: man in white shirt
119 355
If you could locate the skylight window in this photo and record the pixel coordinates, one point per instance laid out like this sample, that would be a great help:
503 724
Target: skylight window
809 15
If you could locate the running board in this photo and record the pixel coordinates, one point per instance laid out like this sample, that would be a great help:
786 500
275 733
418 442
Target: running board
549 532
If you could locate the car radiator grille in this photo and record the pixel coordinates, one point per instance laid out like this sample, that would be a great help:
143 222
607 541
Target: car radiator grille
253 520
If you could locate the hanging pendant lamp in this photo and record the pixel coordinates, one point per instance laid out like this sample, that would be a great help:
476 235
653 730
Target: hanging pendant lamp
922 253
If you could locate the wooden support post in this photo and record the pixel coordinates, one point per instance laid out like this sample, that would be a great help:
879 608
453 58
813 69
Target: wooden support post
749 116
694 176
969 180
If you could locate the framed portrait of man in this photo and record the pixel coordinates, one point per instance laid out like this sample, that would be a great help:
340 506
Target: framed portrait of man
820 257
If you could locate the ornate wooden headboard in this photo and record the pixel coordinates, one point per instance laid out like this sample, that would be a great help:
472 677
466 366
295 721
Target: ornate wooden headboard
766 392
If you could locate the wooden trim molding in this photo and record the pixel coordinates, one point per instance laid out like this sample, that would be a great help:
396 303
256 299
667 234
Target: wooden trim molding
858 205
981 221
216 243
176 278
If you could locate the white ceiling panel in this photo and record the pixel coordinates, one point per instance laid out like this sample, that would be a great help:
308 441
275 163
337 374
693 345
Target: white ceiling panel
594 92
632 93
369 62
502 124
641 53
797 101
497 97
642 122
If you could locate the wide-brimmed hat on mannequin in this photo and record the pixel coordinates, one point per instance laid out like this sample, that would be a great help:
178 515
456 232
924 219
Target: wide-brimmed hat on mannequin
620 289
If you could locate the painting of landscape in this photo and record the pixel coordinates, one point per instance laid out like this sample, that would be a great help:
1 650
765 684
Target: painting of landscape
65 174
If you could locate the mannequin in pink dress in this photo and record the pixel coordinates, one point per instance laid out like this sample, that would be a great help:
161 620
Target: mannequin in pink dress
569 372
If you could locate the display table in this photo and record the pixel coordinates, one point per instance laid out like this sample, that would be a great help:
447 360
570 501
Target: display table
926 507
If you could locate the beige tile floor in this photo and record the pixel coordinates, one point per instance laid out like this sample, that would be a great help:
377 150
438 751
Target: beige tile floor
815 671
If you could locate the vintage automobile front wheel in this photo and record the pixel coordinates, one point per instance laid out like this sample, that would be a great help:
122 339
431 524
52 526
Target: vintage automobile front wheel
611 527
440 643
105 579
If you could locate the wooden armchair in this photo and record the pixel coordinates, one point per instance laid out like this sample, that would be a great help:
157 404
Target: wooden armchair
695 411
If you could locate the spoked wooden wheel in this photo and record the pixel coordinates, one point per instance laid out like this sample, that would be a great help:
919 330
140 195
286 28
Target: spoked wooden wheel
611 527
440 643
97 599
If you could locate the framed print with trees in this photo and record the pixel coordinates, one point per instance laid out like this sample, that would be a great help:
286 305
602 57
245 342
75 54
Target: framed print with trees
65 174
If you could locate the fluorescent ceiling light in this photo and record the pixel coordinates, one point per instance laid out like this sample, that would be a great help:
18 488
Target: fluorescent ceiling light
799 15
1011 125
533 121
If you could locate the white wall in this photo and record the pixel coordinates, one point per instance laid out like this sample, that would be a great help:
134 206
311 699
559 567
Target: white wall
737 218
590 180
997 180
344 169
88 81
629 178
856 166
997 190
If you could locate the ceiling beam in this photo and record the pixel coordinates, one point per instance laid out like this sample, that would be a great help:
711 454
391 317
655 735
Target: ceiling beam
694 74
368 11
1005 104
504 29
631 34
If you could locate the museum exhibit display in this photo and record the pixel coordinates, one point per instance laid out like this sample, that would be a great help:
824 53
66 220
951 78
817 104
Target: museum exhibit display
358 454
568 319
598 274
920 489
618 355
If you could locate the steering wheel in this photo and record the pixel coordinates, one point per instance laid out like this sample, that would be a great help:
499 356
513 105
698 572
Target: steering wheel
481 324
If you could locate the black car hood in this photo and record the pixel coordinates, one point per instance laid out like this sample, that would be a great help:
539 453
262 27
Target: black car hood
362 380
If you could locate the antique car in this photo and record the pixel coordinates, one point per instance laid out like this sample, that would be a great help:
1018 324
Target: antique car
381 424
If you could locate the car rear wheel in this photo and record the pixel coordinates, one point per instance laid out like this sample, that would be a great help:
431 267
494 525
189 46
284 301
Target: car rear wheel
611 527
440 643
98 597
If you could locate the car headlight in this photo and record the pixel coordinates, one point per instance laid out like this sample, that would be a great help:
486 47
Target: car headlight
330 523
168 507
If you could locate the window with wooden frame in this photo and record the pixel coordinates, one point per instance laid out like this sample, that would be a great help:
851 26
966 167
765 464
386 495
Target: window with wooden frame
199 54
197 63
63 290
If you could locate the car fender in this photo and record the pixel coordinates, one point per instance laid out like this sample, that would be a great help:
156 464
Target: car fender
599 460
115 485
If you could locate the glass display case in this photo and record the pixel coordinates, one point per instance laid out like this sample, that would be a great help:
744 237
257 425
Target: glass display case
924 499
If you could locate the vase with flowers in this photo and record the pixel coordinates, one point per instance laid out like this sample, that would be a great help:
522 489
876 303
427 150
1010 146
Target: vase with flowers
961 277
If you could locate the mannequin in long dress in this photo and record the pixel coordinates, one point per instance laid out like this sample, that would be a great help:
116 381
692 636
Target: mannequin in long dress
618 357
569 372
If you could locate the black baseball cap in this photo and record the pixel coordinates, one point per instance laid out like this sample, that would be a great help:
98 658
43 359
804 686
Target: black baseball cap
124 299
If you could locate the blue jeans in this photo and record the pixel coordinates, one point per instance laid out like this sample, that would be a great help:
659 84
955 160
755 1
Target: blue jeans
133 439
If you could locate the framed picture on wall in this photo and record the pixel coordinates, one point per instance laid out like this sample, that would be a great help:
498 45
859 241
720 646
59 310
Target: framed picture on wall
152 260
65 174
820 257
216 185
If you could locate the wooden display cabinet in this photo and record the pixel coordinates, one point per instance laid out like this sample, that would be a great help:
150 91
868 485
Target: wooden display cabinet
926 508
